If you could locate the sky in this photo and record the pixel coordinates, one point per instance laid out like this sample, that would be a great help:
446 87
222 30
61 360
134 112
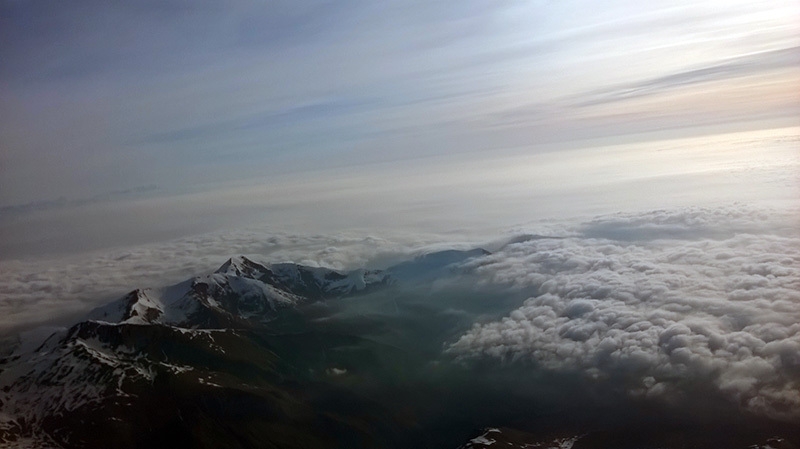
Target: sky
104 97
141 142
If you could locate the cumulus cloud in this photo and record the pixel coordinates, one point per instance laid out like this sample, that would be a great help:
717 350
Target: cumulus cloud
661 302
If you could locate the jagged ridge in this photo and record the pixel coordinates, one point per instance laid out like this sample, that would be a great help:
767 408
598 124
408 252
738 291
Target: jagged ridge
239 292
98 369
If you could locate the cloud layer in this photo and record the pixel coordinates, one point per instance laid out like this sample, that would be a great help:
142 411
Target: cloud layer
661 304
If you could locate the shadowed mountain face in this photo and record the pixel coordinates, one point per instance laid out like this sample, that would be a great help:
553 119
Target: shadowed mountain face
291 356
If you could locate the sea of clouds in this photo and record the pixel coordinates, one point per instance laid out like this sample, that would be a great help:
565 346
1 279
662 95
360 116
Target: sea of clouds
659 302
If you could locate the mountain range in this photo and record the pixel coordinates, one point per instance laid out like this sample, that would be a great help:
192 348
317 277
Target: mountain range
289 356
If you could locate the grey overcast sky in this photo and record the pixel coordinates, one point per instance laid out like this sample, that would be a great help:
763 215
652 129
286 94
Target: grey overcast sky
100 97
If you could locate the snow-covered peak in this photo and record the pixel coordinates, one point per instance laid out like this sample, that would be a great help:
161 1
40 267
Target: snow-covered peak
510 438
136 304
239 291
242 266
242 290
143 308
147 306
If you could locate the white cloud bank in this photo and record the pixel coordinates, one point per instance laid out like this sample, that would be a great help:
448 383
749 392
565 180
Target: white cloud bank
661 302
